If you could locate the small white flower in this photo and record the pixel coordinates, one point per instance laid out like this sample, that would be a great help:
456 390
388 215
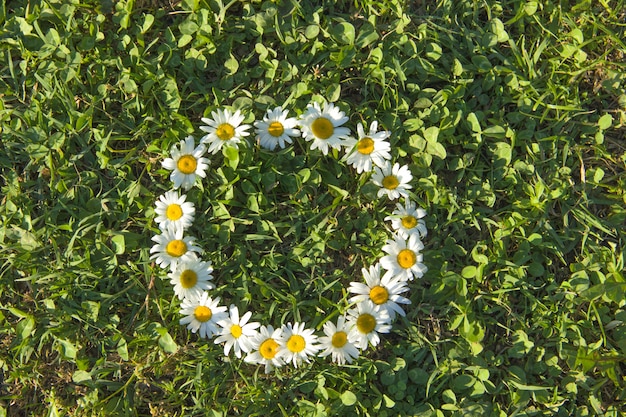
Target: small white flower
403 259
408 220
323 127
191 277
266 346
171 247
237 332
369 150
384 293
223 129
299 344
276 129
367 323
336 342
186 163
173 211
393 180
202 314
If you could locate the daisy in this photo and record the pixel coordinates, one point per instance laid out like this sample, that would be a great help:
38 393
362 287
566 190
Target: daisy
224 129
408 220
276 128
392 180
190 277
186 163
202 314
299 344
323 127
265 348
371 148
171 247
173 211
384 293
403 259
367 324
336 342
237 332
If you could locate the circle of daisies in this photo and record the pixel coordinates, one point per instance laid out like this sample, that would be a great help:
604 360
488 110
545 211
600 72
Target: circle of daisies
375 301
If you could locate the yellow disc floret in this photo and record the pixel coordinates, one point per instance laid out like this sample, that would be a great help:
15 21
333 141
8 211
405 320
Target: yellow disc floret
365 146
187 164
322 128
268 349
276 129
225 131
406 258
188 278
390 182
366 323
379 295
176 248
203 313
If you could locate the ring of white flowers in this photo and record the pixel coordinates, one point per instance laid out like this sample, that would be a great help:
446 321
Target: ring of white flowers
375 302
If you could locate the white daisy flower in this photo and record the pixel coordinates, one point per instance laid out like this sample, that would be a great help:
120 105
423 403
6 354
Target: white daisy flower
237 332
336 342
276 128
323 127
384 293
299 344
266 345
408 220
191 277
393 180
367 323
171 247
223 129
202 314
403 259
186 163
173 211
370 149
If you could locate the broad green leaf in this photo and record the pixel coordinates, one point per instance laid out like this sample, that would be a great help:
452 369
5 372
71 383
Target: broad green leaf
348 398
343 32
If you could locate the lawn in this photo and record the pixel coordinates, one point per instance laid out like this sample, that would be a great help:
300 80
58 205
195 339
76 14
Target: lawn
508 119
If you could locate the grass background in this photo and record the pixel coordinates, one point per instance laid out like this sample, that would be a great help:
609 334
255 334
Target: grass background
510 113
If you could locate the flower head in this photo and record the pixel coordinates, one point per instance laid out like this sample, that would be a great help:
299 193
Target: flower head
185 163
367 322
171 247
370 149
383 293
266 345
276 128
408 220
323 127
191 277
173 211
299 344
403 259
223 129
237 332
202 314
393 180
336 342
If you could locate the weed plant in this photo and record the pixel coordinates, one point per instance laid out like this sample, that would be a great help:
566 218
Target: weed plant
511 115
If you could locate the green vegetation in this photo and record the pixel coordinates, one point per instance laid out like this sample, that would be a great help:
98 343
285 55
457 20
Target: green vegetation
511 115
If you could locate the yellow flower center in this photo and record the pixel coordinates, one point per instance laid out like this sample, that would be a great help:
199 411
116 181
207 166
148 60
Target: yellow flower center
296 343
276 129
390 182
174 212
268 349
203 313
339 339
225 131
366 323
365 146
406 258
188 278
409 222
187 164
379 295
176 248
322 128
236 331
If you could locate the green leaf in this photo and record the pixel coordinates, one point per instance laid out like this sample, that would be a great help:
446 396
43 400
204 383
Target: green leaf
343 33
348 398
166 342
232 65
81 377
605 122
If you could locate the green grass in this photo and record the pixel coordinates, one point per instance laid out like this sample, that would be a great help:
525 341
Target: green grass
510 113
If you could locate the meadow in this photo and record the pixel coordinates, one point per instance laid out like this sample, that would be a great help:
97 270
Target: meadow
509 114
